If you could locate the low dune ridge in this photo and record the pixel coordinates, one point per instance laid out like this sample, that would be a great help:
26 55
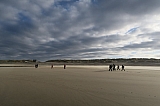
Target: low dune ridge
79 85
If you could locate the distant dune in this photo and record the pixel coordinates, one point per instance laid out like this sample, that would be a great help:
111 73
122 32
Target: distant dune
127 62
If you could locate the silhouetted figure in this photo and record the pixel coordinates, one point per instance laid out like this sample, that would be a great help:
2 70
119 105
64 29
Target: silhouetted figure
51 66
123 68
64 66
118 67
110 67
114 67
36 65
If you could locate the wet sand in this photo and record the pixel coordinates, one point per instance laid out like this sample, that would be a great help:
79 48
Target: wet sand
79 86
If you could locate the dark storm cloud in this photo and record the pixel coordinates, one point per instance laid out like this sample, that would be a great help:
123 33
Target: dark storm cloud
75 29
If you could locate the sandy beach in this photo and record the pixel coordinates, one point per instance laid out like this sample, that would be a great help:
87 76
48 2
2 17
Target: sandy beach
79 86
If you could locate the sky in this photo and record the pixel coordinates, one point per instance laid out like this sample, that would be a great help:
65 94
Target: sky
79 29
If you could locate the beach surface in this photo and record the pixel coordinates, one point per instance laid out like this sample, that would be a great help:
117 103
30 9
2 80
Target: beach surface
79 86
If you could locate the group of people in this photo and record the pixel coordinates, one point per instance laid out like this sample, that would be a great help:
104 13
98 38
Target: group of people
36 66
113 67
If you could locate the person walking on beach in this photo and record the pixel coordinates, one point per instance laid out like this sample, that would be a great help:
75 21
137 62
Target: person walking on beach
36 65
51 66
110 67
64 66
114 67
123 68
118 67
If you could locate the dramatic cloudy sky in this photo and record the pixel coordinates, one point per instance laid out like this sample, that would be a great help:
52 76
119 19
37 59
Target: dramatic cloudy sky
79 29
